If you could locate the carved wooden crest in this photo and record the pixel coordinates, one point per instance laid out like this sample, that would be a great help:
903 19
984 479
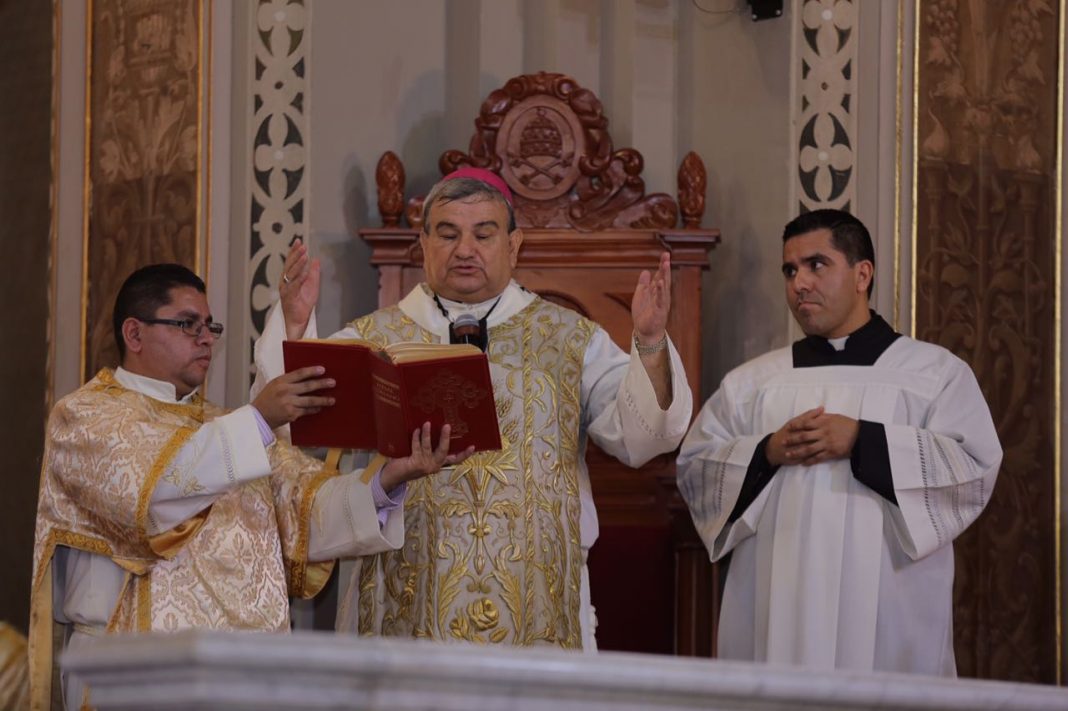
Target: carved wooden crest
547 137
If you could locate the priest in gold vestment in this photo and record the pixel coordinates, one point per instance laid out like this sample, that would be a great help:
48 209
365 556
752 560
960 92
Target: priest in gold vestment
495 548
159 511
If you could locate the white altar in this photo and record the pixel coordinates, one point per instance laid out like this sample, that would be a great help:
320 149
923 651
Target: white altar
310 670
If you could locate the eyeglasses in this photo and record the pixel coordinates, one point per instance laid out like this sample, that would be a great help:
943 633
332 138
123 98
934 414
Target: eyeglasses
189 326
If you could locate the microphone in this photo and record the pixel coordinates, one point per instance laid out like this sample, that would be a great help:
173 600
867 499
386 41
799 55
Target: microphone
467 329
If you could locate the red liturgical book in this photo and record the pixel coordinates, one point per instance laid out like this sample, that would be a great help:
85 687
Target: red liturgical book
383 395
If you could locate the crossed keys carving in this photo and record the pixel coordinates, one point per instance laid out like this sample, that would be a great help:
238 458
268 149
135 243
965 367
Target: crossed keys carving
448 392
518 161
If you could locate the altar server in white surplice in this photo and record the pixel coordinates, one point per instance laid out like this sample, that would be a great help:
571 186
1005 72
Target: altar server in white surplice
837 472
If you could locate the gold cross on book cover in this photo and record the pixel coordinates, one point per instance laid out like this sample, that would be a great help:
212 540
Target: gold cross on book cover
382 395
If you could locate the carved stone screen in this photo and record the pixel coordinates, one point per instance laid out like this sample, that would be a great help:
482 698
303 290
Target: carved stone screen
986 172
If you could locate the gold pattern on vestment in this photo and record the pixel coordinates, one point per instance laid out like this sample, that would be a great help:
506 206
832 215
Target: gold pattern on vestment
232 566
186 486
492 551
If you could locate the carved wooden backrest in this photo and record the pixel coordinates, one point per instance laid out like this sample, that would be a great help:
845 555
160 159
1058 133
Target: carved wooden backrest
548 138
589 229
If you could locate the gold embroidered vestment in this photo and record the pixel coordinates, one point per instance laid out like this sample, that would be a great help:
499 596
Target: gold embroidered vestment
492 549
231 567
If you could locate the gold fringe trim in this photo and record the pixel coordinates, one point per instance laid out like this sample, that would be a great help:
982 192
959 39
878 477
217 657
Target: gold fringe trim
299 574
40 640
144 603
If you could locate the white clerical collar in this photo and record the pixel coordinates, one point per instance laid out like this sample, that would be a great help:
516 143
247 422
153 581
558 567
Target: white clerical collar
838 343
156 389
419 306
455 308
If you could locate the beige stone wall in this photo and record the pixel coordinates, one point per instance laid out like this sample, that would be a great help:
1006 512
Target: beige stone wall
410 77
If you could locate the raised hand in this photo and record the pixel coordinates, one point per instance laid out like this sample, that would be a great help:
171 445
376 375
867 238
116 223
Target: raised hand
651 303
812 437
425 458
299 289
290 396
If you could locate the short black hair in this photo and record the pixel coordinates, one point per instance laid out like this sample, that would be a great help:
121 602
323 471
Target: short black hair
145 291
848 235
461 189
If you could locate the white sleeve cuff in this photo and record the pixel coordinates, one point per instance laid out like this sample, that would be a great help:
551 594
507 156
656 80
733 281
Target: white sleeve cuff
640 398
222 455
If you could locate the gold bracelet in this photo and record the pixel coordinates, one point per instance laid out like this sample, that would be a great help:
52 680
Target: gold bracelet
649 350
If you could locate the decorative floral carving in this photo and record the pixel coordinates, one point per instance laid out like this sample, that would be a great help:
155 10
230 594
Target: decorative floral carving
984 88
143 151
279 124
828 124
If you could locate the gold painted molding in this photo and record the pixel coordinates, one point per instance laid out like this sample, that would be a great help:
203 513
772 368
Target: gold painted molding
898 156
86 192
202 251
914 188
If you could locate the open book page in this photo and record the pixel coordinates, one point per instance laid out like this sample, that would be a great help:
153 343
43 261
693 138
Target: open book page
411 352
340 342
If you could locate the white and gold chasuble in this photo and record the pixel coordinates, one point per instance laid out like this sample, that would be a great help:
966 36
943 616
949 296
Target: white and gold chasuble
230 567
492 547
560 381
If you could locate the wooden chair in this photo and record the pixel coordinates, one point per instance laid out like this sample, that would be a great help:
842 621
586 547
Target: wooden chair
589 229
